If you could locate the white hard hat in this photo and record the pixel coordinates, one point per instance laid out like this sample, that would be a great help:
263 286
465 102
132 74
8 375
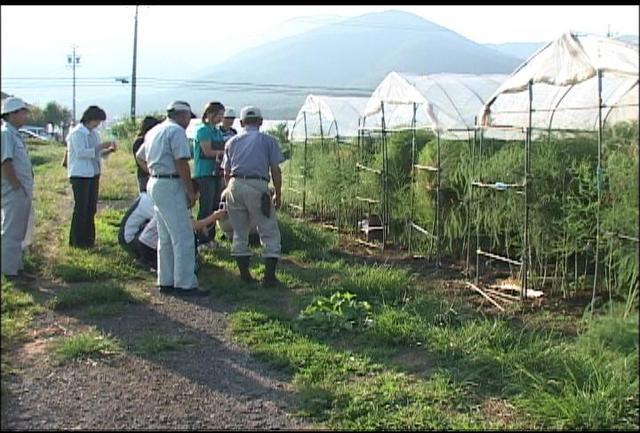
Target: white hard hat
13 104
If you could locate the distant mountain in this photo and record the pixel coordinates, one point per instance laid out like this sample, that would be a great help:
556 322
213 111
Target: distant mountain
352 53
520 50
630 39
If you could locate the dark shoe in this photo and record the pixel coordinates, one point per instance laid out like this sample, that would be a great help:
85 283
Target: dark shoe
270 279
243 265
166 289
27 276
189 292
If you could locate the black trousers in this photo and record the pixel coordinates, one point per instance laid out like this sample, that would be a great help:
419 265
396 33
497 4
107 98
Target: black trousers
142 182
82 233
208 202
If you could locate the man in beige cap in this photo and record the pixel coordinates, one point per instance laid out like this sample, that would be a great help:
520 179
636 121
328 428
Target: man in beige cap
17 185
165 153
249 157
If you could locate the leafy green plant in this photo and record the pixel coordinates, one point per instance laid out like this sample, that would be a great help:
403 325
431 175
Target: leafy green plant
340 311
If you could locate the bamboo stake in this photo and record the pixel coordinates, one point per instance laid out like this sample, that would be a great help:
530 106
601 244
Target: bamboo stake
509 298
487 297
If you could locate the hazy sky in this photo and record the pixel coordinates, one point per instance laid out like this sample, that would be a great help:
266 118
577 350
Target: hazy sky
178 40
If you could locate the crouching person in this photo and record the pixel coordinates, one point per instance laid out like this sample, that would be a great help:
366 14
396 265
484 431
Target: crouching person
138 232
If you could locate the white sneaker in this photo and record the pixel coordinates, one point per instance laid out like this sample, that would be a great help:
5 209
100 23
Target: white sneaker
211 245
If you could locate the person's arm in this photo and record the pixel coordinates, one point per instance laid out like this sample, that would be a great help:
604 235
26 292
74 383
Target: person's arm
226 164
183 169
276 175
207 150
207 221
143 165
140 158
9 172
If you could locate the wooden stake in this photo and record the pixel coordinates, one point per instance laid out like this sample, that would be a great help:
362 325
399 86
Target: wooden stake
487 297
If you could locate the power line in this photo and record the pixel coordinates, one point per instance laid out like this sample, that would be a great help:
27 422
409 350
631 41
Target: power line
154 82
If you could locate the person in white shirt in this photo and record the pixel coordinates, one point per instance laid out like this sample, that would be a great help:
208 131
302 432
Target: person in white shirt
17 186
138 232
165 154
83 169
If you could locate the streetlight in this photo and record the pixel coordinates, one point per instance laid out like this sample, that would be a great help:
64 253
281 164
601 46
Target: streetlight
133 73
73 60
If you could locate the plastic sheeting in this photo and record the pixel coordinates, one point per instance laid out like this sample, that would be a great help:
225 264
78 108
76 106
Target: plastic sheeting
267 125
446 102
565 86
328 116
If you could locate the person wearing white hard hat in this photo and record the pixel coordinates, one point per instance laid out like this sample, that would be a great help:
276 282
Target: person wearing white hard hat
165 154
17 185
249 158
226 127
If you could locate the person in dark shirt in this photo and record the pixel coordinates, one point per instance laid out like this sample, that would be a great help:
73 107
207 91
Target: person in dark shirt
147 123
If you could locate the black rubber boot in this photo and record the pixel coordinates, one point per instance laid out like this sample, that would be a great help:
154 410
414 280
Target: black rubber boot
243 265
270 279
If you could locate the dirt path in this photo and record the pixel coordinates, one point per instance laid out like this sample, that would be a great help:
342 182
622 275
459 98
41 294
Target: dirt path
209 383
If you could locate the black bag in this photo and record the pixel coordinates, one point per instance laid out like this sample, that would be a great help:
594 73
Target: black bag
265 204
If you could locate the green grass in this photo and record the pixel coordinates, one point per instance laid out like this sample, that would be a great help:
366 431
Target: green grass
366 346
90 343
154 343
18 308
100 293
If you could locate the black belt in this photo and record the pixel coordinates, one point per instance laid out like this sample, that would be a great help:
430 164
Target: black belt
249 177
166 176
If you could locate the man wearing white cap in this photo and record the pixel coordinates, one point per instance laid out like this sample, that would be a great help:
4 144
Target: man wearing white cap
228 131
166 153
226 126
249 157
17 185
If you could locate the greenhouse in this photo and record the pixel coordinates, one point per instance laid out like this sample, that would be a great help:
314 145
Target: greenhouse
328 117
325 121
574 103
445 104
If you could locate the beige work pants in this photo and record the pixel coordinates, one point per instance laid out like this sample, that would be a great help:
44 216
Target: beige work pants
243 205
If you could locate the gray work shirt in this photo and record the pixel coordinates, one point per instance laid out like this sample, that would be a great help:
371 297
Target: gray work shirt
251 153
162 145
13 148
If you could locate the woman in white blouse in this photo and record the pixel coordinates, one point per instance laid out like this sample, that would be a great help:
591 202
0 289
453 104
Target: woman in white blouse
83 168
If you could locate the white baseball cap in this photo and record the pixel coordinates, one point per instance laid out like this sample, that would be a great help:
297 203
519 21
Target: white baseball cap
230 112
13 104
180 106
250 112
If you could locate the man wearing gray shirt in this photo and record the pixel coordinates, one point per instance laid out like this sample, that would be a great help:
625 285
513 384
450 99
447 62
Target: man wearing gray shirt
249 157
165 153
17 185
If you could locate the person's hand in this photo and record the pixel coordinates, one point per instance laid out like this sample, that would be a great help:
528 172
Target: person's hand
191 199
109 146
220 213
277 201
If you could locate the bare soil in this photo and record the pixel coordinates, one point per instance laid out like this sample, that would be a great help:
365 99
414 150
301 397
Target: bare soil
208 383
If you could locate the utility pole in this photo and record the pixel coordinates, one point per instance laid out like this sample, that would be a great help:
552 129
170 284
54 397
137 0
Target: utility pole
133 73
73 60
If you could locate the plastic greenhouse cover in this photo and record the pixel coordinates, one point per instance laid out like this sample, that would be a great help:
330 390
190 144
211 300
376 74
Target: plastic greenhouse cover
445 102
565 86
328 116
